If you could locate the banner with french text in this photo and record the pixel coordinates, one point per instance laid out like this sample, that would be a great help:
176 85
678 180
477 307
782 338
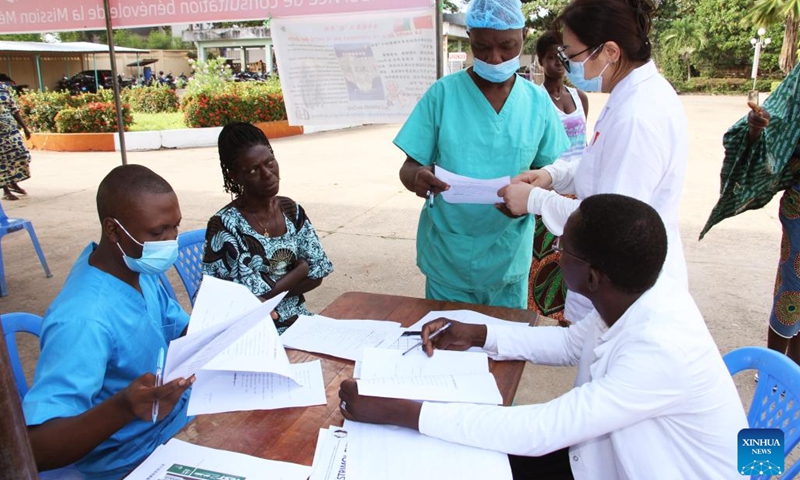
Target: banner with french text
353 69
38 16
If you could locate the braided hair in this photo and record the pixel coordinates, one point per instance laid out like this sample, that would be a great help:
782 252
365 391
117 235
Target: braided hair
233 140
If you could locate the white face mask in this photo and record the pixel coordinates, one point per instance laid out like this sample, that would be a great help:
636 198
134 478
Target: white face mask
156 257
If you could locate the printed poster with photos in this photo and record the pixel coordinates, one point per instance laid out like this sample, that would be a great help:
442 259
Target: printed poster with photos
370 68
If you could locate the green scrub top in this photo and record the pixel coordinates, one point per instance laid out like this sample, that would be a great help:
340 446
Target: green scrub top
476 247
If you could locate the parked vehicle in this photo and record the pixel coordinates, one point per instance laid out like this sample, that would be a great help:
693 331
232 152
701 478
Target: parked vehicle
87 82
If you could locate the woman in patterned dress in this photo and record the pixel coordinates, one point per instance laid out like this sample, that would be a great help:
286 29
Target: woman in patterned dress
261 240
14 157
547 291
762 159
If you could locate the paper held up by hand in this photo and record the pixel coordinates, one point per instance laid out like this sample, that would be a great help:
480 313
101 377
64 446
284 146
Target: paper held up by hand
471 190
220 336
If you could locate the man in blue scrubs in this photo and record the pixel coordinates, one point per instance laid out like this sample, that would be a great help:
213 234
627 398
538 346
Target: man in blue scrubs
92 399
483 122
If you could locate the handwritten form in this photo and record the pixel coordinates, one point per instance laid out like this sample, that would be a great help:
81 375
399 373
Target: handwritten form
181 460
471 190
447 376
389 452
237 356
339 338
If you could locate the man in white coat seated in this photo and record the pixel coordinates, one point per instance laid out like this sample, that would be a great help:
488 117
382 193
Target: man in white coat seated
652 399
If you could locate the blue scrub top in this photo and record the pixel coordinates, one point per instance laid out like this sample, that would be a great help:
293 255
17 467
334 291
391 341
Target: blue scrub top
98 335
476 247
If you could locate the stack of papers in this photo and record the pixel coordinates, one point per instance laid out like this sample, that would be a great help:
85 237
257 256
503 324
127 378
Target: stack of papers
237 356
447 376
389 452
177 460
339 338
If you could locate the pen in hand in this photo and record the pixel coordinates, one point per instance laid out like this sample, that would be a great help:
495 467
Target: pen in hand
431 337
159 379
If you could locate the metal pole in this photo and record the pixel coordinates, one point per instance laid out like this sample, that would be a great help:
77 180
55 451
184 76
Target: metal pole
115 80
439 41
16 457
39 72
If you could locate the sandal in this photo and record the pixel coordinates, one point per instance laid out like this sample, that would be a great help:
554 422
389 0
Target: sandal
10 196
16 188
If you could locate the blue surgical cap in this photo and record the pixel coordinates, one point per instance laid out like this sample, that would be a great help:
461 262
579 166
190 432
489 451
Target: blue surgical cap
495 14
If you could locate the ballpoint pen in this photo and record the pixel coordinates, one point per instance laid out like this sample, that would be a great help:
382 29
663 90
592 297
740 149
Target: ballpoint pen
159 378
430 192
431 337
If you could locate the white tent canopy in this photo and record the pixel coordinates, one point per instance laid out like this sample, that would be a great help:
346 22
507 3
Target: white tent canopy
62 47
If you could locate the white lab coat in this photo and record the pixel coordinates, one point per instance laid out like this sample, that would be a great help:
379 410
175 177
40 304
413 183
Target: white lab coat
653 398
639 148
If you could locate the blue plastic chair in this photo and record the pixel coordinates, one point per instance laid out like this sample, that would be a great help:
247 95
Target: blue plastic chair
776 401
189 264
10 225
12 324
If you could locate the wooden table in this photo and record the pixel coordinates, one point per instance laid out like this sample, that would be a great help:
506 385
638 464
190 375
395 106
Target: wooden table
290 434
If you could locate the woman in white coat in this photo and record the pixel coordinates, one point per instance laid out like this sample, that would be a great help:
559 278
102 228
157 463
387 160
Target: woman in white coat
640 143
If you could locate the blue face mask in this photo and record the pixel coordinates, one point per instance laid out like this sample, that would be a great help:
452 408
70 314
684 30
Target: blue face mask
156 257
575 74
496 73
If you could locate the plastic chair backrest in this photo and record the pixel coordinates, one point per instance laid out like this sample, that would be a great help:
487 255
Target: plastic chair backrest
190 260
3 216
12 324
776 401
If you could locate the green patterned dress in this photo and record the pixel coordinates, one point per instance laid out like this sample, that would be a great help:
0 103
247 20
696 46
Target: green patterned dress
14 157
753 174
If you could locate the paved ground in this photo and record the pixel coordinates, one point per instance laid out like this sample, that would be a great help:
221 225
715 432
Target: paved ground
347 181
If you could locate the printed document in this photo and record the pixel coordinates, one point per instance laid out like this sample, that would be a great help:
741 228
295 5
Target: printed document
218 391
178 460
447 376
339 338
389 453
470 190
237 356
330 457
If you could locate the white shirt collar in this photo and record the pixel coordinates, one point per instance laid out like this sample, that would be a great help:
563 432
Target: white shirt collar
636 76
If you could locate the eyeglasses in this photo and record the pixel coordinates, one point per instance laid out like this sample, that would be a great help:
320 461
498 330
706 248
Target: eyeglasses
564 58
557 248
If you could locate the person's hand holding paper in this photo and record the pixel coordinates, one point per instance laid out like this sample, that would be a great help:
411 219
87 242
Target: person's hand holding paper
470 190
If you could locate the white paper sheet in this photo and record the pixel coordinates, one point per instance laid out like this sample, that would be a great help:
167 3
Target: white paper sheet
470 190
447 376
219 391
465 316
339 338
389 453
231 465
188 354
475 388
330 457
382 363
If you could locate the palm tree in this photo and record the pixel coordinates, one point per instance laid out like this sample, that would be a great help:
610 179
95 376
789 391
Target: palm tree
685 37
770 12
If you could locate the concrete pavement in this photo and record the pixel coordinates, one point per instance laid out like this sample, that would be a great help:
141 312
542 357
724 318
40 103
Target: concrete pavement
347 182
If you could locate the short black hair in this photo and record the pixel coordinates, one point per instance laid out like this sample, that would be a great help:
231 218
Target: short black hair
123 185
622 237
545 41
234 138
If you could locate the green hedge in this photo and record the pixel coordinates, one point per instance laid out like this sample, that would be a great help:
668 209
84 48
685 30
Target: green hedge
41 108
92 118
235 102
721 85
154 99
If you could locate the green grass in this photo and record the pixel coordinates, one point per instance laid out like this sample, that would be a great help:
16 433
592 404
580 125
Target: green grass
157 121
